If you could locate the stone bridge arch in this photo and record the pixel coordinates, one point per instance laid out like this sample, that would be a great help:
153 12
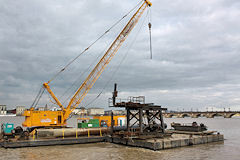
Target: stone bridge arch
200 114
168 115
183 115
212 115
229 115
196 115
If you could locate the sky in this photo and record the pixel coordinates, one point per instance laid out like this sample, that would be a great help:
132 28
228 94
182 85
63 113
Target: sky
195 64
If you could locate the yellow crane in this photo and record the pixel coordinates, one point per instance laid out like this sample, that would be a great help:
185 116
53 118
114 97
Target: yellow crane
34 118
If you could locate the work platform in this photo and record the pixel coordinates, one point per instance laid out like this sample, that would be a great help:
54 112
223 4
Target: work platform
176 140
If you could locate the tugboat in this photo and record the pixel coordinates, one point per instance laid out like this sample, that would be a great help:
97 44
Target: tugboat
192 127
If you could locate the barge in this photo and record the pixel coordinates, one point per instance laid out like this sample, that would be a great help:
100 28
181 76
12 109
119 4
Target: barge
174 141
193 127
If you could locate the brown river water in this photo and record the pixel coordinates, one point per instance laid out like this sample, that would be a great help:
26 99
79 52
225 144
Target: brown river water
227 150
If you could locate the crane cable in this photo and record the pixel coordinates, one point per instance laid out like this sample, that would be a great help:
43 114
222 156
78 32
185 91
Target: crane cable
75 82
93 43
38 97
150 33
114 73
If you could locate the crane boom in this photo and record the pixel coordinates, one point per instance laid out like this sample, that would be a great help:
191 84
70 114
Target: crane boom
96 72
59 118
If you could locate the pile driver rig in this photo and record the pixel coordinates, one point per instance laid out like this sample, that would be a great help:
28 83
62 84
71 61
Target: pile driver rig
35 118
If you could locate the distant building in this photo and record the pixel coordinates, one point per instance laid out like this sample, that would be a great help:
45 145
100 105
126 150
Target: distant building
42 108
115 112
3 112
3 109
95 111
13 111
165 111
80 111
56 109
20 110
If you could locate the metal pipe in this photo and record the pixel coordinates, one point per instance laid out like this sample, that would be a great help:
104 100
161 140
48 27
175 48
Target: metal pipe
69 132
112 122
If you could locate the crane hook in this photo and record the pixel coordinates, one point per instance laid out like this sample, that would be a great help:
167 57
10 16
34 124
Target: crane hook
150 36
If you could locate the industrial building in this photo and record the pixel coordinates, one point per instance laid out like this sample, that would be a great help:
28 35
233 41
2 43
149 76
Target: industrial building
20 110
3 109
115 112
95 111
80 111
42 108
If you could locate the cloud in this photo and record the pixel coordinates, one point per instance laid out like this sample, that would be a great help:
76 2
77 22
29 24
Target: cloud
195 51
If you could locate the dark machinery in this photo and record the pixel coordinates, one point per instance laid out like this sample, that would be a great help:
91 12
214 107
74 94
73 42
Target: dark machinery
9 132
142 118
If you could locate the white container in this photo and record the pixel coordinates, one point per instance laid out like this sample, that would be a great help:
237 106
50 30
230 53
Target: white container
122 121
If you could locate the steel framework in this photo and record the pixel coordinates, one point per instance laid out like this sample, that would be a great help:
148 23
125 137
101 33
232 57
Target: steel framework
146 117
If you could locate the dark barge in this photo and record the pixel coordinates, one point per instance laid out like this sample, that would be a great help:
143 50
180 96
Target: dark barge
193 127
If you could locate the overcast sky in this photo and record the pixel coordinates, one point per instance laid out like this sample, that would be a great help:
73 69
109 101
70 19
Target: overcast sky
195 63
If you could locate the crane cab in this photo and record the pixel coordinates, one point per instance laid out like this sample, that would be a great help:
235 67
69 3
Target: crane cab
43 118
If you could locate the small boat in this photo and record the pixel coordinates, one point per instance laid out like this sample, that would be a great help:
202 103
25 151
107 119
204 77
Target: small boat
192 127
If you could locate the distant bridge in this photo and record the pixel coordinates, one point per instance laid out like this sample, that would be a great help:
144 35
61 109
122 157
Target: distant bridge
211 114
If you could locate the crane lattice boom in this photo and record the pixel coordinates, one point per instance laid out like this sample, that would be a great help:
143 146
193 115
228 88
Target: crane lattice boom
59 118
96 72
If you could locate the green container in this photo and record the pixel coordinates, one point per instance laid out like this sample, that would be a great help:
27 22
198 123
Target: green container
84 125
92 123
79 125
